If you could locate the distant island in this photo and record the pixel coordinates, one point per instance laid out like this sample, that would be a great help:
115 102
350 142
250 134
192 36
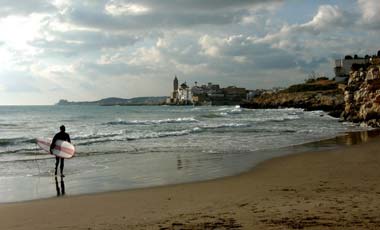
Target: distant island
112 101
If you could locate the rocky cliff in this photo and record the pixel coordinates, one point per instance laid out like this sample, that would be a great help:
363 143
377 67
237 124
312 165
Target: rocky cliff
358 101
316 96
362 97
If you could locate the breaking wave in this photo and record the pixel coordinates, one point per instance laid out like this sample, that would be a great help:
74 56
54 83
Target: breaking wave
7 125
5 142
137 135
153 122
276 119
95 136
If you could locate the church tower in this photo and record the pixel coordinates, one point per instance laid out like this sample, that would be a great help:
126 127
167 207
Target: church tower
175 83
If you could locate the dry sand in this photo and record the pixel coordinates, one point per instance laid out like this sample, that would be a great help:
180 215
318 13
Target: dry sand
338 189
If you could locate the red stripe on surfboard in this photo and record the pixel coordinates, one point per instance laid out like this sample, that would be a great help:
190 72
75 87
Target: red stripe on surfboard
65 150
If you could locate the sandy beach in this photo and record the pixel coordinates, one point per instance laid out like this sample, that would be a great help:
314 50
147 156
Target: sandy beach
336 189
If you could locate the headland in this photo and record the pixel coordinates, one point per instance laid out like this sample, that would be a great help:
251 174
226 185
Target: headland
353 95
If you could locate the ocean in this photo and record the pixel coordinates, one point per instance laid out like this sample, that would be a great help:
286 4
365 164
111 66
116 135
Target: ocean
125 147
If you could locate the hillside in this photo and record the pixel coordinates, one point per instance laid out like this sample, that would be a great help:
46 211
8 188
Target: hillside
118 101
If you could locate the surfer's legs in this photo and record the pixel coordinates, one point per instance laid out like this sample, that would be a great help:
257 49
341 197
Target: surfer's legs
57 187
57 160
62 165
56 164
60 190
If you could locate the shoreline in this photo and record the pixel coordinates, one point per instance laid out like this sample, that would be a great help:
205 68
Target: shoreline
345 139
309 190
133 151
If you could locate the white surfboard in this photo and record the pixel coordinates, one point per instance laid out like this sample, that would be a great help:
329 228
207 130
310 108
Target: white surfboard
62 149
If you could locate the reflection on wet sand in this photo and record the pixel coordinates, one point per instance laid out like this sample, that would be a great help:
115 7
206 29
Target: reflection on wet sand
360 137
354 138
179 163
60 187
351 138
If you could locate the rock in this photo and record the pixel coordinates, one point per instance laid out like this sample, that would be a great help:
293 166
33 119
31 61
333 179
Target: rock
358 102
328 100
362 97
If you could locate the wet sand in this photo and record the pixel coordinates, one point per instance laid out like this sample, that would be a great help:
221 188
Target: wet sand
334 189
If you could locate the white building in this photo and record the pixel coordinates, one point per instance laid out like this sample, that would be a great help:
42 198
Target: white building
181 94
343 67
184 94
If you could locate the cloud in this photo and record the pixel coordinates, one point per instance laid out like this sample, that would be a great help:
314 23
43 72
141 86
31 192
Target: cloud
203 5
244 51
22 7
92 49
149 14
312 43
328 17
80 42
17 82
370 13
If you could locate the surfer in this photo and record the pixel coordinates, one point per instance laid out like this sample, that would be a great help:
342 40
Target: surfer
63 136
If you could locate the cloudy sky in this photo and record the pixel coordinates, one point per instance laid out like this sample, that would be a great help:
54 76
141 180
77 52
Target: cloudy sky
91 49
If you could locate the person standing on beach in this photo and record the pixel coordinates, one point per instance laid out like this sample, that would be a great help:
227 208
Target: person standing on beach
63 136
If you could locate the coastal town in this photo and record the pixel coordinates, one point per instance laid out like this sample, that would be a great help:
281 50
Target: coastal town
210 94
353 94
214 94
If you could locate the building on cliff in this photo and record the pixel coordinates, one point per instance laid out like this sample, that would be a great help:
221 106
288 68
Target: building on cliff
343 67
210 94
234 95
213 94
181 95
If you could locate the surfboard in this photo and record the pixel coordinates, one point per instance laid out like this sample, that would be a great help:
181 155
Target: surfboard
62 149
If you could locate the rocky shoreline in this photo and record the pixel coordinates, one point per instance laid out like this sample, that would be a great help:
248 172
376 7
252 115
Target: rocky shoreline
331 101
357 101
323 95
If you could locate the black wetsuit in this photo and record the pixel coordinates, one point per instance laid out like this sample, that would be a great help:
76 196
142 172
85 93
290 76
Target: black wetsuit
64 137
